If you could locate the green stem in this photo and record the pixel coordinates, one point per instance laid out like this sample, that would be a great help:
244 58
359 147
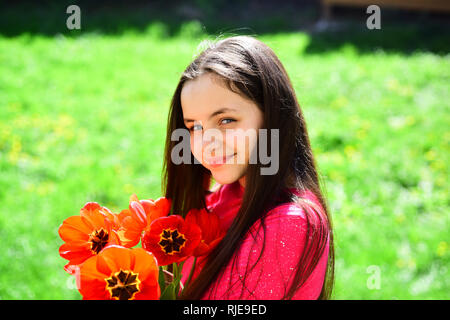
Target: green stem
177 277
175 270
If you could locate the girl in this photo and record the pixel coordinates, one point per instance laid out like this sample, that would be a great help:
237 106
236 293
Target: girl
279 240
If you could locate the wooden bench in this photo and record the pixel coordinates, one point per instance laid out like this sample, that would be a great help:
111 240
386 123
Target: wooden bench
427 5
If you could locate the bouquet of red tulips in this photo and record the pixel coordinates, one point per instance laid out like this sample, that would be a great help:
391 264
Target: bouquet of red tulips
100 247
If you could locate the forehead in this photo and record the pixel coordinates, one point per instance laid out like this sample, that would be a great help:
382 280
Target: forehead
202 96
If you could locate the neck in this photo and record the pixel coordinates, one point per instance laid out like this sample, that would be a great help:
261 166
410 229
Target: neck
242 182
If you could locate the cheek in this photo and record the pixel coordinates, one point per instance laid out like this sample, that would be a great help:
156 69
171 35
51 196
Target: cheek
232 142
242 143
196 147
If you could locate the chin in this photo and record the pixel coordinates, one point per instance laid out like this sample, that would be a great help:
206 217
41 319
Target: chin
225 176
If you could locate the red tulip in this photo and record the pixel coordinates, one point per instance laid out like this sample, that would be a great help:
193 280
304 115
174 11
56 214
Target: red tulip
171 239
212 232
139 215
87 234
119 273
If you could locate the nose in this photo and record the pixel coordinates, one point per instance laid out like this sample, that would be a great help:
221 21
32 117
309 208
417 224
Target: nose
210 146
212 142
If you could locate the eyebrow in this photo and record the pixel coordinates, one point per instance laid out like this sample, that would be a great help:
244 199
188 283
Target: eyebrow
215 113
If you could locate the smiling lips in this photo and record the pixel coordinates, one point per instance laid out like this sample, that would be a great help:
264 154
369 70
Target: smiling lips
215 162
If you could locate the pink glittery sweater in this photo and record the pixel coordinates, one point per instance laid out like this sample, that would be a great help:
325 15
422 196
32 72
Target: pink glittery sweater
284 241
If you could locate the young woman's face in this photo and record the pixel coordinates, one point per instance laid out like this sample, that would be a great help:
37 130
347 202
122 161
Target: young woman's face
223 127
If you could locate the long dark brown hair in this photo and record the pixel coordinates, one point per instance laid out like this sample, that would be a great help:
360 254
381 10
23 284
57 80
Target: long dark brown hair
250 68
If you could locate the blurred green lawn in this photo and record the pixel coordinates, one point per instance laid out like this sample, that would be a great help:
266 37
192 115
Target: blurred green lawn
84 119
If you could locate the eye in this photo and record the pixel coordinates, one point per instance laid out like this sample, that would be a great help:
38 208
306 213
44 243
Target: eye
231 120
193 127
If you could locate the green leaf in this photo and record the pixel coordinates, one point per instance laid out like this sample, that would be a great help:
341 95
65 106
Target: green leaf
169 293
175 269
176 282
161 279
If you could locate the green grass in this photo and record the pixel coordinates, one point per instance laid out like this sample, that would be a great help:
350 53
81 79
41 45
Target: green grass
83 119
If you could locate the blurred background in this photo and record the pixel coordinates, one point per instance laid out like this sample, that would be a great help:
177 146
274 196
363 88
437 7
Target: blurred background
83 118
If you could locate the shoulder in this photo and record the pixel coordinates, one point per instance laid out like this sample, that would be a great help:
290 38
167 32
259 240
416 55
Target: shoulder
307 208
281 238
294 217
